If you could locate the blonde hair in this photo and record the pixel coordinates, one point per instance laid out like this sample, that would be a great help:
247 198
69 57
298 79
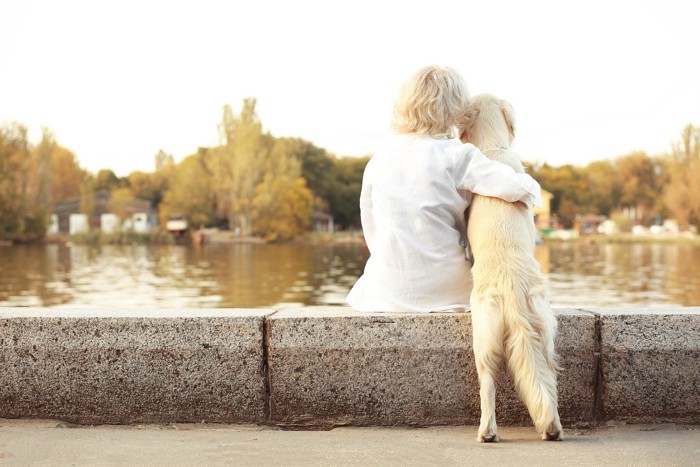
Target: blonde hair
432 102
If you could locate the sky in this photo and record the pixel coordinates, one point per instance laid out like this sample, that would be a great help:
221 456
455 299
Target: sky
117 81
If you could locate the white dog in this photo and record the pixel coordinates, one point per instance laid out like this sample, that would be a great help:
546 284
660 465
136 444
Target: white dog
511 316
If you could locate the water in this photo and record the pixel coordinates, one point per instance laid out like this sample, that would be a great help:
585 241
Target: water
252 275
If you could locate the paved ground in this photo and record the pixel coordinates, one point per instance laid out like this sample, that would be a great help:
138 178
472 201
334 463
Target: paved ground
38 443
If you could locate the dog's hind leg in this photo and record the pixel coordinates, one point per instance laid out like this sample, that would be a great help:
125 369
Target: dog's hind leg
531 360
488 352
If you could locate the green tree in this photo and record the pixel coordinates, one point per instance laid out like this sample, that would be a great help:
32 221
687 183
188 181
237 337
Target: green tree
317 168
344 190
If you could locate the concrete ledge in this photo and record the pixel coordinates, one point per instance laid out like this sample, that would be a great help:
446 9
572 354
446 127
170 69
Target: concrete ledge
650 367
319 367
335 366
121 366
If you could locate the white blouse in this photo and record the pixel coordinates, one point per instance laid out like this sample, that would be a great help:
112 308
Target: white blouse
415 190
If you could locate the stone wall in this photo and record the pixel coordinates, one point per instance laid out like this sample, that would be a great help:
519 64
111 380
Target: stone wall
320 367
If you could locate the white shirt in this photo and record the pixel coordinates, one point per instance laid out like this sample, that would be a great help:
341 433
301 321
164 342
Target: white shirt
414 193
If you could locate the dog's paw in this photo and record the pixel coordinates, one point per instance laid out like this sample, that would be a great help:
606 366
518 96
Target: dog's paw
554 435
487 436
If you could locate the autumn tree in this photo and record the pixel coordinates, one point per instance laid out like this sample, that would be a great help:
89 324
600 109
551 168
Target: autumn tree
190 192
641 179
120 201
282 203
603 186
237 166
317 168
87 198
106 180
67 175
14 154
681 194
568 186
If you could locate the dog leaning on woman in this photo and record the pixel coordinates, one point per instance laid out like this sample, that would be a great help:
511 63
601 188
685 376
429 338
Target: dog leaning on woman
511 316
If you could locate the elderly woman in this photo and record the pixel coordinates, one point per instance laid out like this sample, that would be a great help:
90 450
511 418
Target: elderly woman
415 191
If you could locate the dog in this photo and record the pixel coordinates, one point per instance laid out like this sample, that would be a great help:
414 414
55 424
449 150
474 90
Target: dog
511 316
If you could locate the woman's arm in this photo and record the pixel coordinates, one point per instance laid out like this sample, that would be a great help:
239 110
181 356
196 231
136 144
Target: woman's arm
479 174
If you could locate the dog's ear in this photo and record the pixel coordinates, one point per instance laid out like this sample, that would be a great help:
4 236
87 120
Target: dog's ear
467 122
509 116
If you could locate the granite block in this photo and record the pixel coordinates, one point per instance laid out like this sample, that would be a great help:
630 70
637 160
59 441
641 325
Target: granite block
94 366
331 366
650 368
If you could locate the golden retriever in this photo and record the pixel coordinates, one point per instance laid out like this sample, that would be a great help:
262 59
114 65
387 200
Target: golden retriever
511 316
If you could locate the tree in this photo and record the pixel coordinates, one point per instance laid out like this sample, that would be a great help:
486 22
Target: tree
345 188
87 198
67 175
681 194
317 167
190 193
238 166
106 180
282 203
120 201
14 158
164 162
150 186
568 186
603 187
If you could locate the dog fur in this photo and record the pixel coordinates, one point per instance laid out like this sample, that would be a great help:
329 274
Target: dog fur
511 316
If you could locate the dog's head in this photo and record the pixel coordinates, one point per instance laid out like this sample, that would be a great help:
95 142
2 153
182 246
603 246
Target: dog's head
489 122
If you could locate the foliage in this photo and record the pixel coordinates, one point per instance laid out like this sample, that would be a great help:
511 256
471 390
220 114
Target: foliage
237 166
190 193
23 186
682 195
261 185
106 180
344 191
66 176
282 203
257 179
119 203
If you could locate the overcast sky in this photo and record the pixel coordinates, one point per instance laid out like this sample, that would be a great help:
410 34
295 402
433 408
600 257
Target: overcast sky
119 80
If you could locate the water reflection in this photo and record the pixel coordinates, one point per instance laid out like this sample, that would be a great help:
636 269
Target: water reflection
251 275
230 276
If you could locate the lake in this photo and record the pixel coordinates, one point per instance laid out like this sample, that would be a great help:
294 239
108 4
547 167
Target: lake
295 274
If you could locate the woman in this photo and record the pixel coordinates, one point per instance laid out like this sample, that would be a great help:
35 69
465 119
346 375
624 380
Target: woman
415 191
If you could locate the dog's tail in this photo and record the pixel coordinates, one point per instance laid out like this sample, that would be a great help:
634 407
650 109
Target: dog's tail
530 352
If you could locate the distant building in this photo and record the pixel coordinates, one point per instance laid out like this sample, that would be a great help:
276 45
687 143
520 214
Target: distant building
589 224
543 215
321 222
142 216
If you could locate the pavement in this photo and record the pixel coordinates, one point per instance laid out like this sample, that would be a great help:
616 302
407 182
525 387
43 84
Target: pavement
55 443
